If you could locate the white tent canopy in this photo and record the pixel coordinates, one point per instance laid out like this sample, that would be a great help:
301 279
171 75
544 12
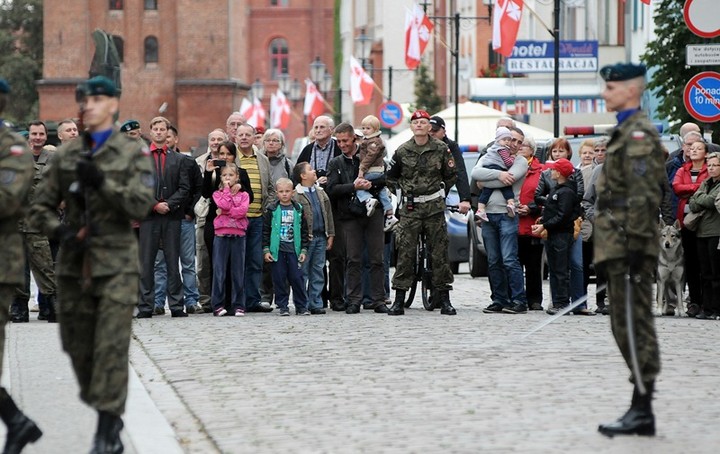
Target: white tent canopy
477 126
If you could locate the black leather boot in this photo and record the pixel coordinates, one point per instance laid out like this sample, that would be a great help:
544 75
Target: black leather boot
52 309
107 437
446 307
398 306
19 312
21 430
638 420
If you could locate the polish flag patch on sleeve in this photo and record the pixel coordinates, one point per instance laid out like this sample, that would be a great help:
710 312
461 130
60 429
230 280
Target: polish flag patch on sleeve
17 150
638 135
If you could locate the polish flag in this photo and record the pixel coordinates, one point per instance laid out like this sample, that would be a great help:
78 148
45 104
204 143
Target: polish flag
253 112
279 110
361 84
417 34
506 21
314 101
259 112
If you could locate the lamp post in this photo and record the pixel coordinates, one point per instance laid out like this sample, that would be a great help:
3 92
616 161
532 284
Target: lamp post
295 95
363 48
284 82
258 90
317 71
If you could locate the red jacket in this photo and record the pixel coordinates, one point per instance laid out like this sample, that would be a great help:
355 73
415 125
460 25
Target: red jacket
684 187
527 196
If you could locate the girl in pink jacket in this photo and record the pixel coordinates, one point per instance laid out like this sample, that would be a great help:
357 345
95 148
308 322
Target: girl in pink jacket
229 245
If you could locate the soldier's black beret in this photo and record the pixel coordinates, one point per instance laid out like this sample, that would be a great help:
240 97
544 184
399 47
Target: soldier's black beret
98 85
622 71
4 86
130 125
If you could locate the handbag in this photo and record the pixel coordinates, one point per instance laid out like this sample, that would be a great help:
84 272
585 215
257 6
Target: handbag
356 207
691 221
202 207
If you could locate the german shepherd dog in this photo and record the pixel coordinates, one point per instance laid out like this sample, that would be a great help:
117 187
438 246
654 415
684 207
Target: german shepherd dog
670 270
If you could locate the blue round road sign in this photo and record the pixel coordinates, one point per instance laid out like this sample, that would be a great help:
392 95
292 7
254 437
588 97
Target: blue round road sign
390 114
702 97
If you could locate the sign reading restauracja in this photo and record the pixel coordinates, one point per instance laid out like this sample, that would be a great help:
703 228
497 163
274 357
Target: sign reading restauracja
537 57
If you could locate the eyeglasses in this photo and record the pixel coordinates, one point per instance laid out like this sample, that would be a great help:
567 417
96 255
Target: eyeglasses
272 140
600 150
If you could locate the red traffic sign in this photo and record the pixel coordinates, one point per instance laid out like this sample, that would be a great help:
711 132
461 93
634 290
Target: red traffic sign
390 114
701 17
702 97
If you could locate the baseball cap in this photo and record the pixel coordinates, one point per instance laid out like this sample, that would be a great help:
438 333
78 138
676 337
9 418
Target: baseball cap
437 123
563 166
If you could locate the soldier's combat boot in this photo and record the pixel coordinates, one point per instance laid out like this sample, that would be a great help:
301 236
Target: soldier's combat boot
638 420
43 303
398 307
107 437
52 309
19 312
21 430
446 307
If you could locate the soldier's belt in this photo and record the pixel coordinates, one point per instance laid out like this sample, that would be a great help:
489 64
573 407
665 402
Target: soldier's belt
614 202
426 198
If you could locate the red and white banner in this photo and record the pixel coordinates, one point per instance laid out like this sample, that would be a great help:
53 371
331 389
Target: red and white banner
417 34
506 22
361 84
314 101
254 112
279 110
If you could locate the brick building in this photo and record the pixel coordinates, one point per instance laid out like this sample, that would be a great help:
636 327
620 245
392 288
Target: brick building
196 57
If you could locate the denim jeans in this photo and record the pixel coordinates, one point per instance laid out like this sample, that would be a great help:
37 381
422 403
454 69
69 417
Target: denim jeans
253 262
577 287
313 271
286 267
500 236
187 264
226 248
160 279
383 194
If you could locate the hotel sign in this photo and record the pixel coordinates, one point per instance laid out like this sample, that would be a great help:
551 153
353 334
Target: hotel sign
538 57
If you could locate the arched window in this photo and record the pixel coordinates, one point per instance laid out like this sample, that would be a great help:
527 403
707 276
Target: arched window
151 49
119 46
278 57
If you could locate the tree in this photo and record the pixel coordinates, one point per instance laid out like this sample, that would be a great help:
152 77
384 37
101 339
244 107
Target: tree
426 97
666 55
21 41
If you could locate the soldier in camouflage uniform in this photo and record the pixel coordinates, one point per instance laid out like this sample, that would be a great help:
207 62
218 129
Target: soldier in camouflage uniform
423 168
15 181
106 180
629 192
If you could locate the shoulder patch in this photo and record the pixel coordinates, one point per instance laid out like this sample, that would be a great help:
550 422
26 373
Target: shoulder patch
451 162
145 150
17 150
638 135
7 177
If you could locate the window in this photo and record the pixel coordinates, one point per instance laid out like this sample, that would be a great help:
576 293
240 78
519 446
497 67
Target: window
119 46
151 49
278 57
116 4
150 4
279 2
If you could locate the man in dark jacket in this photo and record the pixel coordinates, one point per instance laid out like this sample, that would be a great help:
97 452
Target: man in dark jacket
437 130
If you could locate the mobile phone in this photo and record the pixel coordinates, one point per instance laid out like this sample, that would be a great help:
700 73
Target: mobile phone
219 162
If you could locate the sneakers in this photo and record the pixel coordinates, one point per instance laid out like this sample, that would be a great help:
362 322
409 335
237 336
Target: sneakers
220 312
583 311
284 313
494 308
35 308
510 207
517 308
304 313
370 206
536 307
552 310
390 222
481 216
239 312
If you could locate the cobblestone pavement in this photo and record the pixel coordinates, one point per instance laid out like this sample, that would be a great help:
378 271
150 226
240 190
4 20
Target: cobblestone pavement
422 383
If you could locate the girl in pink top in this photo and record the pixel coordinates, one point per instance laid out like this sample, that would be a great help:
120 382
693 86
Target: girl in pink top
229 244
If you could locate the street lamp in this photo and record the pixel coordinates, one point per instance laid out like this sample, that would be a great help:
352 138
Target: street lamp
295 91
326 83
363 48
317 70
284 82
258 89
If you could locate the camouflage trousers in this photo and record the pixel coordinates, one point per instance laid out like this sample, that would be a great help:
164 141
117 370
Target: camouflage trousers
6 295
406 241
39 258
95 328
648 353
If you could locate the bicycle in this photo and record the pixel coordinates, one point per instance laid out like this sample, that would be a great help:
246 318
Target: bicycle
423 273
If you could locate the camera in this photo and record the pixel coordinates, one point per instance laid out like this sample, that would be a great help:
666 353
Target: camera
219 162
321 173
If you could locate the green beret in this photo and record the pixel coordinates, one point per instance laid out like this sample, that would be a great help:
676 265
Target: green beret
622 71
98 85
4 86
130 125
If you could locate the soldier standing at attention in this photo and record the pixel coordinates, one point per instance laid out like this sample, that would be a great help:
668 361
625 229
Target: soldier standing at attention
106 180
629 191
16 174
423 168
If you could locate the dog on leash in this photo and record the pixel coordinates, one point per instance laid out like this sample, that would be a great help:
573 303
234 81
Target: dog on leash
670 270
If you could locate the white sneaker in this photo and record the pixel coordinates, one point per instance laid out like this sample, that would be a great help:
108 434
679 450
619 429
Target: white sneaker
370 206
390 222
239 313
35 308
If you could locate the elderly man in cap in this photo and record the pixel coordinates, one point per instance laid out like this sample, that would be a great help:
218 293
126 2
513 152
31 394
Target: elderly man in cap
424 169
16 175
437 131
106 180
629 192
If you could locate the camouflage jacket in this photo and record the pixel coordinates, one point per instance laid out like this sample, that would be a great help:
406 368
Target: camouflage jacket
128 193
40 167
15 181
629 192
422 171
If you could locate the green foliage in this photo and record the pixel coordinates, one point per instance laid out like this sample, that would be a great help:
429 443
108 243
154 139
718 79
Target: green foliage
666 55
426 97
21 41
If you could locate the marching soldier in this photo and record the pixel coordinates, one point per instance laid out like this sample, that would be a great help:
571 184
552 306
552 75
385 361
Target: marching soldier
629 191
106 180
16 174
423 168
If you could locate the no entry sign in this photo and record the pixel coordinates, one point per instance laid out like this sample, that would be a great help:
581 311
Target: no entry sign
702 18
702 97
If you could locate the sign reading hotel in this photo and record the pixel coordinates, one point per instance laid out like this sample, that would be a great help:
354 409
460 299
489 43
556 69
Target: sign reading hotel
538 57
